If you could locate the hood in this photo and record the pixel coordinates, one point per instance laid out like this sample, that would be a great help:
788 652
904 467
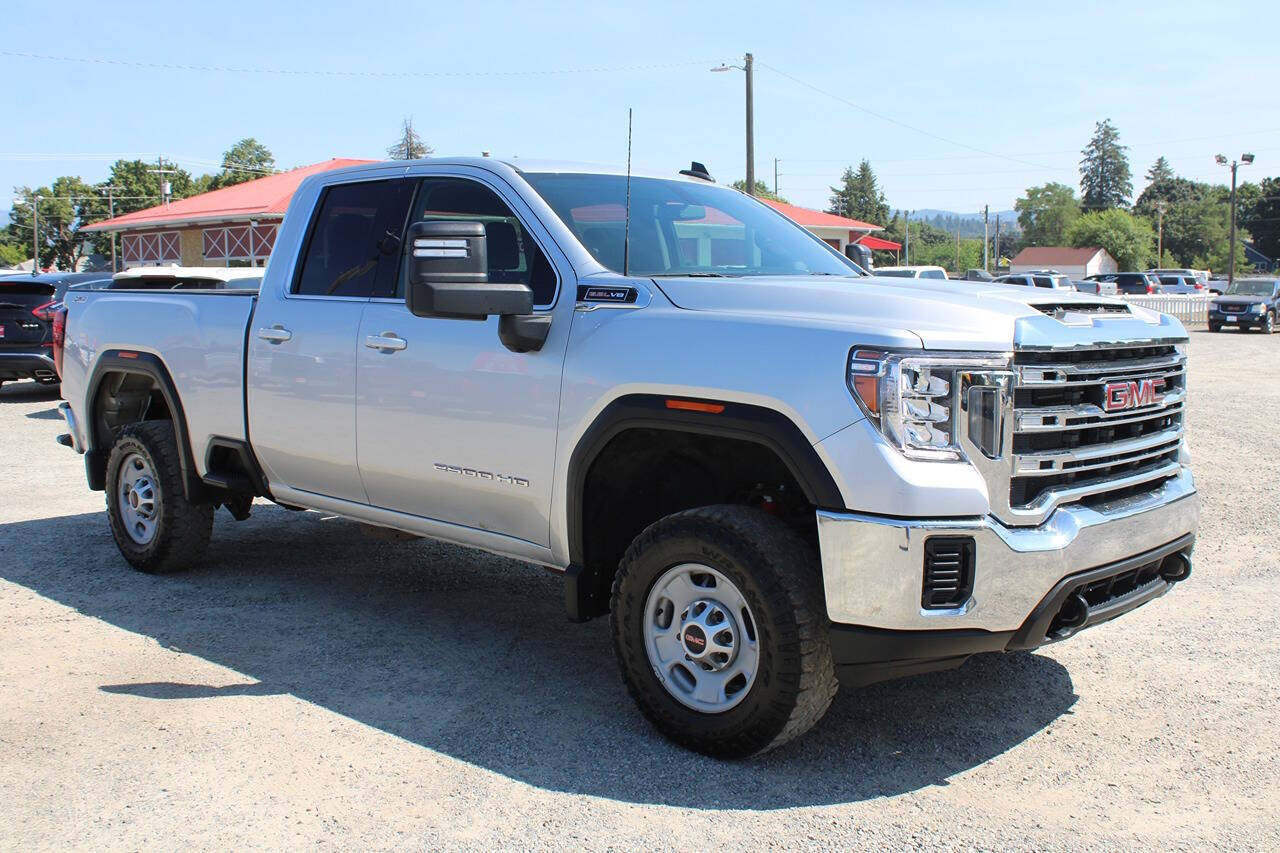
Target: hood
943 314
1239 299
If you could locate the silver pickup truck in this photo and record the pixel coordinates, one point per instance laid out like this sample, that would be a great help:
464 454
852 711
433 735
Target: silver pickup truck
775 473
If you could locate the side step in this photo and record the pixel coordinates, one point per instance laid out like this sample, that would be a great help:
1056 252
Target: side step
232 481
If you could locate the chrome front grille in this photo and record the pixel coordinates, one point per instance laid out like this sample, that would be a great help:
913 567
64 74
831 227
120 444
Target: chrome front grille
1067 446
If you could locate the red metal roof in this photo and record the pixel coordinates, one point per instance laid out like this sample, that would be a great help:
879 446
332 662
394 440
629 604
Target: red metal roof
267 196
878 243
808 217
1047 256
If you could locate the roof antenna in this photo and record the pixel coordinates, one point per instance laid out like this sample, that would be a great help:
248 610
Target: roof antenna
626 227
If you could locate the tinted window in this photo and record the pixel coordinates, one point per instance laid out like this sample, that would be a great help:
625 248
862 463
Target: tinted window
1042 281
356 228
933 274
513 255
683 228
895 273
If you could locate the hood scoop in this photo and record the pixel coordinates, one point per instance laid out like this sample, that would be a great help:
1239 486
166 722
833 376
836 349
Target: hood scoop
1061 310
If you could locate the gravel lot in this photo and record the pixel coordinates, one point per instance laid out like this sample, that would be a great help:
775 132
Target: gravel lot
310 686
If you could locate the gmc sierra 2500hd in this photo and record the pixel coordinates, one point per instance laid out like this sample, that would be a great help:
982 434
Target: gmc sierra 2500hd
774 472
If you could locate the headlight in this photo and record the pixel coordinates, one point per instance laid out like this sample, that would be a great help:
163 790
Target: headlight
916 399
1256 308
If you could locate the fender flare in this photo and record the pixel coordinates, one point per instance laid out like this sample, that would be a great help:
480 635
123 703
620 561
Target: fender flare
757 424
149 365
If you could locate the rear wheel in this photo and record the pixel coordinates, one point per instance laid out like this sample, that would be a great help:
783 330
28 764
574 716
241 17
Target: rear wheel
719 629
155 527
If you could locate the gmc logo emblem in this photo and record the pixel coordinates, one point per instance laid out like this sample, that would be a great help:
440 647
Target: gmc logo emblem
1118 396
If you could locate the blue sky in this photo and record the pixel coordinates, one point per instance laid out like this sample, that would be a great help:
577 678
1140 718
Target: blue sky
1023 80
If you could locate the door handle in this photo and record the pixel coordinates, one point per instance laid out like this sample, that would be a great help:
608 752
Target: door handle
275 335
387 342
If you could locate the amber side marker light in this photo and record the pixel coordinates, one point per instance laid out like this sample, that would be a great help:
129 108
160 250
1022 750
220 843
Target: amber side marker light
694 406
864 370
124 354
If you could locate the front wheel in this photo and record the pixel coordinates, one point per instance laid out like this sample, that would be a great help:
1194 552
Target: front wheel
1215 327
720 631
155 527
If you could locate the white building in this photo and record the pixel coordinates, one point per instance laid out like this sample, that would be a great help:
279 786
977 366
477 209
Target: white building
1077 263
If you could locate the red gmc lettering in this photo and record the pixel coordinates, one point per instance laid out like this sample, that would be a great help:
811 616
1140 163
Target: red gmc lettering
1133 394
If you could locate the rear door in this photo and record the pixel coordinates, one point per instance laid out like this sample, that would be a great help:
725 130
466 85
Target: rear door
302 340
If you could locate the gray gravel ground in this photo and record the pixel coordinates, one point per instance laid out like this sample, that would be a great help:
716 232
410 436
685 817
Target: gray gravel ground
312 687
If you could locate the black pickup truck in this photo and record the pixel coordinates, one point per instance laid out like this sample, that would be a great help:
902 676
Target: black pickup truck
1249 303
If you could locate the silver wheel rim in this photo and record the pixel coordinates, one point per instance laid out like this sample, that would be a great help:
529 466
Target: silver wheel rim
138 496
701 638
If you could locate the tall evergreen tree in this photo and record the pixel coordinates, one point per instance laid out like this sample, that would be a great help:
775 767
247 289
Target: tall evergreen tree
1104 171
409 146
859 196
1159 172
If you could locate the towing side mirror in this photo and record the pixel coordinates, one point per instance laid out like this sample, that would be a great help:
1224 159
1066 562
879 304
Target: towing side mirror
449 277
449 274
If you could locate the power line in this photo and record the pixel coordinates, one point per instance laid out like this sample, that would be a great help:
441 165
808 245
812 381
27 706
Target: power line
328 72
884 117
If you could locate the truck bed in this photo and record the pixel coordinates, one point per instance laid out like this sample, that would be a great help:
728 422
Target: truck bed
199 336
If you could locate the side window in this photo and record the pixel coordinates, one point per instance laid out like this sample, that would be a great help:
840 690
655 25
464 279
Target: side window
1043 281
354 243
513 254
933 274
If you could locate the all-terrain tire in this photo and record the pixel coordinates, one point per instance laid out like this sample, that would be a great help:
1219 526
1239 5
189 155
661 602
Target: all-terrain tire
778 574
181 528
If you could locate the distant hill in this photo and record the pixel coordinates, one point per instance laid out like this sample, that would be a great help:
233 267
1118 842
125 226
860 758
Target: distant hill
967 224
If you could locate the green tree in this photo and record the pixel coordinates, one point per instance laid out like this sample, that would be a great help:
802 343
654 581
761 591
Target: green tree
1262 218
65 207
247 160
137 187
1170 191
762 190
1160 171
1104 171
1128 238
409 146
11 254
859 196
1045 213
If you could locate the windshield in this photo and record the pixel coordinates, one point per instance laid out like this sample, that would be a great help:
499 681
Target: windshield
1255 287
680 228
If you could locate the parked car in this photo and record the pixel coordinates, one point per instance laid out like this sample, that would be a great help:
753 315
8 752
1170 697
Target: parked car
1047 278
1184 285
1097 287
1250 303
976 275
1130 283
757 461
1201 276
1218 286
911 272
28 305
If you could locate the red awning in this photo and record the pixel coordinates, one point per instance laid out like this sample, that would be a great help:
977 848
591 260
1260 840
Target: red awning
878 243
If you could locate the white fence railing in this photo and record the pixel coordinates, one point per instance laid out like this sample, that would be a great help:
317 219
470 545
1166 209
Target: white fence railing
1191 310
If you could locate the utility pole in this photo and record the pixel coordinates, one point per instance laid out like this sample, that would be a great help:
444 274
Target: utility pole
996 251
1160 208
775 175
165 186
986 260
906 244
35 235
111 214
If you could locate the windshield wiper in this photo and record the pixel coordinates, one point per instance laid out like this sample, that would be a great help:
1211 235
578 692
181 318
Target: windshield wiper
691 275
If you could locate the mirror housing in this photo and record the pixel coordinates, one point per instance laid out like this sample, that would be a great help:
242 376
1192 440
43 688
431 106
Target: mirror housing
449 274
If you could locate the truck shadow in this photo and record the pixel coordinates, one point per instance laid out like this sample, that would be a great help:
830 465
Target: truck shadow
29 392
470 655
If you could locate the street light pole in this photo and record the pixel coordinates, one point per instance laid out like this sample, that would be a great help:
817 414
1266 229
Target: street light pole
1160 207
748 66
1245 159
751 131
35 235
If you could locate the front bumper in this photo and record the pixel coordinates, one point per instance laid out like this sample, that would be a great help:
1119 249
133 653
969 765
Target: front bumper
872 569
1244 319
27 365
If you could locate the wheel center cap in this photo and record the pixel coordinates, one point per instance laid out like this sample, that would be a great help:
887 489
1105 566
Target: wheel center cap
695 641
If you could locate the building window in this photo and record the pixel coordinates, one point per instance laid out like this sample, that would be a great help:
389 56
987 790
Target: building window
159 247
239 245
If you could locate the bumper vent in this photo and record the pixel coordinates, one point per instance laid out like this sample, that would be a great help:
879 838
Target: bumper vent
948 572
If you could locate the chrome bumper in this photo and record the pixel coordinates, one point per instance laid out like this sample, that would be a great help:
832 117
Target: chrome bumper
872 566
70 417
